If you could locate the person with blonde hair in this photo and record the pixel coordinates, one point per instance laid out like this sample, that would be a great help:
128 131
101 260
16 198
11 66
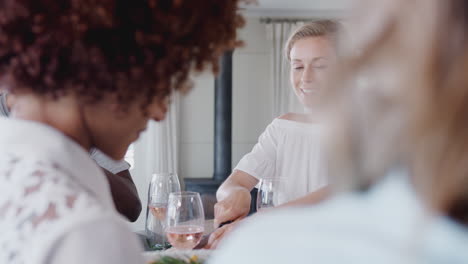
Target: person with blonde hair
290 147
396 112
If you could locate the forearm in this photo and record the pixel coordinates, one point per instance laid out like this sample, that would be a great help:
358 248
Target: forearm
238 181
227 189
234 197
124 194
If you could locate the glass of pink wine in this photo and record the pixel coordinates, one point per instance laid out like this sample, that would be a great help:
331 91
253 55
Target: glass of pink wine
185 220
161 185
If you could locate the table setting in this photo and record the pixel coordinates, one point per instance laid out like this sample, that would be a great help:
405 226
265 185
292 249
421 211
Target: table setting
175 223
176 229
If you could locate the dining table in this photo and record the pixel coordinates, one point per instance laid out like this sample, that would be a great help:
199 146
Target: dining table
199 254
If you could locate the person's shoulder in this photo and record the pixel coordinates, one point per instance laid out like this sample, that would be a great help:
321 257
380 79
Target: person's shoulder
267 237
53 184
301 232
289 116
48 197
295 220
297 124
304 118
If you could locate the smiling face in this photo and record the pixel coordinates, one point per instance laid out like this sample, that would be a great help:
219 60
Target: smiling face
310 59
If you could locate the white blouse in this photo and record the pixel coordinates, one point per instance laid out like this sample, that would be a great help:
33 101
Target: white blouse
55 202
292 150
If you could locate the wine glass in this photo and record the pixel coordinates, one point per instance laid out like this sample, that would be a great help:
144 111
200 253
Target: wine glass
271 193
161 185
185 220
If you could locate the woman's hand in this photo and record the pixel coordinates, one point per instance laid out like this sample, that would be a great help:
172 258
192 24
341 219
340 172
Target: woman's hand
219 234
233 207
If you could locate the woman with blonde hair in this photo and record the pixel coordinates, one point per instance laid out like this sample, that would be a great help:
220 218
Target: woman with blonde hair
290 147
398 142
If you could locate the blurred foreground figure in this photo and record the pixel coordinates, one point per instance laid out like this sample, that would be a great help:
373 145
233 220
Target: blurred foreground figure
398 143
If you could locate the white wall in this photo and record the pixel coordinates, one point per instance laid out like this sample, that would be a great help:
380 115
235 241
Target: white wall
252 99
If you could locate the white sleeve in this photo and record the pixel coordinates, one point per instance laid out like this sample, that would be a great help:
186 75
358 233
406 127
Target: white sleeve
114 166
97 243
261 161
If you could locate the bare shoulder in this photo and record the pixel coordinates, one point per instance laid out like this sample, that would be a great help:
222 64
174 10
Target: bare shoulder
303 118
287 116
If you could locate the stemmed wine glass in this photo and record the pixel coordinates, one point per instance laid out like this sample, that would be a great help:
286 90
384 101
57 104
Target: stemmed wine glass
161 185
185 220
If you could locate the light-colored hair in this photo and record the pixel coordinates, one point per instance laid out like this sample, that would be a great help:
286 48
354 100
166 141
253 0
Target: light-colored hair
402 100
319 28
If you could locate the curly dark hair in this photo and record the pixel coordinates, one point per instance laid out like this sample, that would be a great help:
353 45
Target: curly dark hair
125 47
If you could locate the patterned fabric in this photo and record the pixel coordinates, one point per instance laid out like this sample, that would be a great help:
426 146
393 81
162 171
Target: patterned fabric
56 202
114 166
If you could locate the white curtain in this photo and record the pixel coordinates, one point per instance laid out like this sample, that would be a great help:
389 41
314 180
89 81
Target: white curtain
284 99
156 151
